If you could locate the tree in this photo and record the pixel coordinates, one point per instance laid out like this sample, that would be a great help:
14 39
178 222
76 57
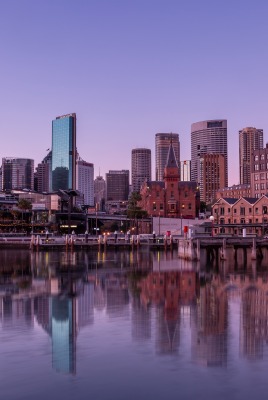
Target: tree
24 205
134 211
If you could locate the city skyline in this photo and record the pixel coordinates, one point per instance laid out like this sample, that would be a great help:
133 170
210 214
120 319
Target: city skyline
130 70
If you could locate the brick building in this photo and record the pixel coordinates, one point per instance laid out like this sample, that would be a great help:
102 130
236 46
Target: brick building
170 197
231 216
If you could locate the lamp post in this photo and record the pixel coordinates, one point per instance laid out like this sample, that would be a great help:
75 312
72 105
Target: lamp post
182 212
212 224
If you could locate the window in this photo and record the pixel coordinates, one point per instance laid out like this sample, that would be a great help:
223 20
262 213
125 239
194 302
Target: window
154 206
221 210
256 158
242 210
256 210
256 167
262 186
161 206
250 210
262 157
189 206
234 210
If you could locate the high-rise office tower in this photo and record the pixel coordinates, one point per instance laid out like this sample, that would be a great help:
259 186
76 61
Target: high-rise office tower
99 192
140 167
17 173
162 143
85 182
63 174
212 176
117 185
185 170
208 137
43 174
250 139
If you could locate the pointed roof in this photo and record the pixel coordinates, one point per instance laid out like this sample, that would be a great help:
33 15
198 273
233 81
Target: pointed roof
171 158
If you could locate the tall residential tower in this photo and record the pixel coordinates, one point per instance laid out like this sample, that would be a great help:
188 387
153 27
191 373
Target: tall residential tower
140 167
208 137
250 139
162 144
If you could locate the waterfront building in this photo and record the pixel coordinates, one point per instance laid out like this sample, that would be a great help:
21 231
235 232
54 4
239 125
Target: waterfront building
250 139
185 170
208 137
162 143
259 172
63 174
170 197
43 174
140 167
17 173
117 185
85 183
232 215
99 192
212 176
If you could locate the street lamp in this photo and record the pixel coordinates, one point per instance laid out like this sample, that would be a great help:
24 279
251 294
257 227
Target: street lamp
182 212
212 224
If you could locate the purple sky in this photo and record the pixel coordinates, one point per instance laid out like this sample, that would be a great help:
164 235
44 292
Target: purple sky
130 69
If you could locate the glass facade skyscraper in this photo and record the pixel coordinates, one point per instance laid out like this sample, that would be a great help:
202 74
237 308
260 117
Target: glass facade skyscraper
63 173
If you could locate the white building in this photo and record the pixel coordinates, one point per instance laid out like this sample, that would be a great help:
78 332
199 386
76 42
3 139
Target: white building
85 182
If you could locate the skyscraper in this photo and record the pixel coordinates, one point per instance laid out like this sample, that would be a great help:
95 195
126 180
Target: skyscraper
250 139
162 143
212 176
85 182
140 167
17 173
185 170
64 152
99 192
117 185
208 137
43 174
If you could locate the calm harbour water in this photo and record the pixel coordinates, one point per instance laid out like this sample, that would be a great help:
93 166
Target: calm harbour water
130 325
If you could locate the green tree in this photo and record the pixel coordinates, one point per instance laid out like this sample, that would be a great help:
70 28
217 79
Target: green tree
134 211
24 205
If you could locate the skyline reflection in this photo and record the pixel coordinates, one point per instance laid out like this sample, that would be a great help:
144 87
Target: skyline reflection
161 300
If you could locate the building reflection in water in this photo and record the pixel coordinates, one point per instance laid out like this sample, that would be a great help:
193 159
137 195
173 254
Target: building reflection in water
154 291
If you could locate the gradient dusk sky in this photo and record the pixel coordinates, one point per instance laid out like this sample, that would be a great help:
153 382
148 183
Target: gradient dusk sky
130 69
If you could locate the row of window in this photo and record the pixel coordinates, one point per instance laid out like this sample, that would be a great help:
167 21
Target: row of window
261 167
242 210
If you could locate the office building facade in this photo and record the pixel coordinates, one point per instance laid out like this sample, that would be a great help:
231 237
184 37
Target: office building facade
140 167
17 173
250 139
185 170
208 137
259 172
162 143
99 192
212 176
43 174
117 185
85 182
63 174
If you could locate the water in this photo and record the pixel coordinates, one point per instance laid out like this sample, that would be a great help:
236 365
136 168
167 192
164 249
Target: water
130 325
